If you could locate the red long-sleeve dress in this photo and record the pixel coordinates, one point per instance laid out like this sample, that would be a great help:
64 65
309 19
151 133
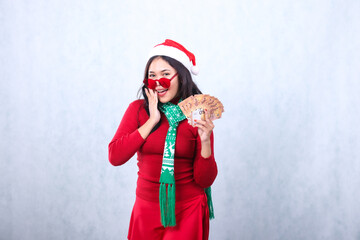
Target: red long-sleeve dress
193 172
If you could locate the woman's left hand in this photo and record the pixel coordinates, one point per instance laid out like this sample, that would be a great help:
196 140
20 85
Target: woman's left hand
205 128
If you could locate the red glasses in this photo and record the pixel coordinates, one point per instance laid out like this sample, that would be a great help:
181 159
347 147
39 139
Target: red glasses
164 82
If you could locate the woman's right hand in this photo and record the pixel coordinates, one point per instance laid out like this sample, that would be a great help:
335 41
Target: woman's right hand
153 102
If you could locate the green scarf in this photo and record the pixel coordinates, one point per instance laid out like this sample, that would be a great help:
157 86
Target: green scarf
174 115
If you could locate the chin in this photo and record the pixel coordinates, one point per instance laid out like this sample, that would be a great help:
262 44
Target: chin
164 100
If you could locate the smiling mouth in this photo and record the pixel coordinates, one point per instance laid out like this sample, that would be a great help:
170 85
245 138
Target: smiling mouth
162 91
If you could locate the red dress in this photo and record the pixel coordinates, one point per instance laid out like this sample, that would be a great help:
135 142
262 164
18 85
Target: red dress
193 173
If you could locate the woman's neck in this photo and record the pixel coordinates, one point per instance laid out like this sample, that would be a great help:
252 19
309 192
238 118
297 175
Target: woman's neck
175 100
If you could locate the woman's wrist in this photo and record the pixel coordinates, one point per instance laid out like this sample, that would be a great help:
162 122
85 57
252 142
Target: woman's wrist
152 122
206 148
146 128
206 141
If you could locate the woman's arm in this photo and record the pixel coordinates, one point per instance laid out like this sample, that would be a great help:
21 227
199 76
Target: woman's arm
205 168
129 137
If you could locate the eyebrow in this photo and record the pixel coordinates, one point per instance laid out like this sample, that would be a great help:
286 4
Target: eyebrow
161 71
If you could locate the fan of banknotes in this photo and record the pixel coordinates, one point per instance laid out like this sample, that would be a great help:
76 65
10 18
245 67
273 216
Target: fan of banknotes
194 107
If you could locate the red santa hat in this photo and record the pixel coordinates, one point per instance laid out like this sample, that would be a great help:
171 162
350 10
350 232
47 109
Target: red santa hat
176 51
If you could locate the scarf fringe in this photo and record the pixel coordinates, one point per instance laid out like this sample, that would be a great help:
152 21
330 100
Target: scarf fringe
167 204
209 202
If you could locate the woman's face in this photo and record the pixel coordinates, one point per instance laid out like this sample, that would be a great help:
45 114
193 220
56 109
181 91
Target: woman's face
159 68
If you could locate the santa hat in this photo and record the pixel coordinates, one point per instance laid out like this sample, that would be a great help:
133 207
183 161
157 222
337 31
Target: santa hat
176 51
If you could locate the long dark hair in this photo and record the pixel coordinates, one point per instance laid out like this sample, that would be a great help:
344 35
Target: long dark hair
187 87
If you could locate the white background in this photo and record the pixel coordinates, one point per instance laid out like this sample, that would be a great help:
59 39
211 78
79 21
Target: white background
287 146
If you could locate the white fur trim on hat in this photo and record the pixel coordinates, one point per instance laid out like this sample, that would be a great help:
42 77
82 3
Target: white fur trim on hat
173 52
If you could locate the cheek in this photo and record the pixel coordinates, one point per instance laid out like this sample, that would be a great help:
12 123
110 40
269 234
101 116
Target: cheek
175 86
175 90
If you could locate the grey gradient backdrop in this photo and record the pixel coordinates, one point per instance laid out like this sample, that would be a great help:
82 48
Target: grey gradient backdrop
287 146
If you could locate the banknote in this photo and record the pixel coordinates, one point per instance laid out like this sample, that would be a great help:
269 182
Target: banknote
195 107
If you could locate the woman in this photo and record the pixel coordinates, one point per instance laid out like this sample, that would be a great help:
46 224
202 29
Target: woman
176 160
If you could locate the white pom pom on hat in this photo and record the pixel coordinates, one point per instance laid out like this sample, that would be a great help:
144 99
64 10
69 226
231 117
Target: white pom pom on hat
195 70
178 52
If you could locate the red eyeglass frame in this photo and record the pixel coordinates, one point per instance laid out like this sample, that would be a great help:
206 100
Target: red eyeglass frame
164 82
